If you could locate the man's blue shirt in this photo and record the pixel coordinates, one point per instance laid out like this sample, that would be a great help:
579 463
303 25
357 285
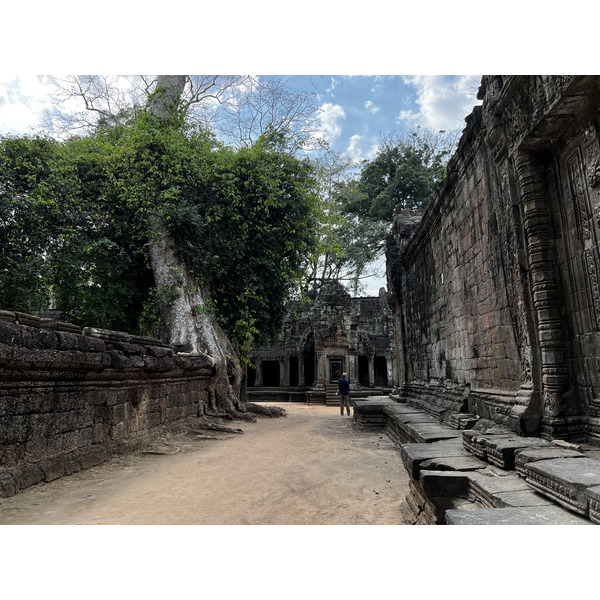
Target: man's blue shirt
344 385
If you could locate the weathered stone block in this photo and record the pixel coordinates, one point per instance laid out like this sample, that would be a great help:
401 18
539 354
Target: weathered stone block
414 454
593 496
8 484
527 455
537 515
501 452
449 484
565 480
453 463
486 485
520 498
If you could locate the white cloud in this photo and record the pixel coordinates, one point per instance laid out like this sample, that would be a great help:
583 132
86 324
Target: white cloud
23 100
408 115
355 151
370 107
444 101
331 89
330 114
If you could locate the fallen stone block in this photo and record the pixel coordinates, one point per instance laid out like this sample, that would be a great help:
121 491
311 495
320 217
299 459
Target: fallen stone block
430 432
415 454
501 451
527 455
453 463
445 484
532 515
520 498
565 480
474 441
462 421
485 486
593 496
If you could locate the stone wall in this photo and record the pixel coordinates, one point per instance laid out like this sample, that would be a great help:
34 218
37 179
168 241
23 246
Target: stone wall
494 287
69 400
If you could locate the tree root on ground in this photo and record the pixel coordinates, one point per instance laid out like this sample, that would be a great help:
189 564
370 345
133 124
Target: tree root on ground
214 427
269 411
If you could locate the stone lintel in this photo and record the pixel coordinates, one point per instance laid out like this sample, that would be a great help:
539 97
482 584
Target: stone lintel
414 454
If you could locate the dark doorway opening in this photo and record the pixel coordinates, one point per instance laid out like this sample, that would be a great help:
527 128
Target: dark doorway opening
294 371
309 369
363 370
380 367
270 373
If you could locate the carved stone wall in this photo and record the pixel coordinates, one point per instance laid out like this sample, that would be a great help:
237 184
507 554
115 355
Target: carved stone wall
68 401
496 291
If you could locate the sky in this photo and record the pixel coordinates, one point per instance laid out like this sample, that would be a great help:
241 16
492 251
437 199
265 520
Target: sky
355 110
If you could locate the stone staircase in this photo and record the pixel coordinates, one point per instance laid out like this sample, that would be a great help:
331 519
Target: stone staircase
469 471
331 399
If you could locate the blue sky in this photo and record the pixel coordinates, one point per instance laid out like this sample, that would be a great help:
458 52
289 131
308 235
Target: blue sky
355 110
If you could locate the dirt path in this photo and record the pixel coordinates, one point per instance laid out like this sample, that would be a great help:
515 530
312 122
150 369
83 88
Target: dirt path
312 467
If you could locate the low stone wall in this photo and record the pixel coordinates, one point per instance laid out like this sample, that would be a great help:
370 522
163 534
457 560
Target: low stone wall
69 400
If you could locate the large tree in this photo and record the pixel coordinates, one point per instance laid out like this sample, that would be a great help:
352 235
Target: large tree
405 172
224 230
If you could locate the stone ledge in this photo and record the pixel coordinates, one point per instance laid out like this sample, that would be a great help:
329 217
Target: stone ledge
565 480
538 515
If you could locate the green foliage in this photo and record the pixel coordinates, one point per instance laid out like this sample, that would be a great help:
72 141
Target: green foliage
244 230
74 223
405 173
28 215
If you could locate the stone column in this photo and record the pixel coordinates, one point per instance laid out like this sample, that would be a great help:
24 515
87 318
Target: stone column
301 382
352 370
371 370
552 366
284 370
320 385
389 365
259 373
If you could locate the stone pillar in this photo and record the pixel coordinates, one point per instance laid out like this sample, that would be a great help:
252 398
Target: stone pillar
389 365
301 382
259 373
552 371
284 371
320 384
371 370
353 370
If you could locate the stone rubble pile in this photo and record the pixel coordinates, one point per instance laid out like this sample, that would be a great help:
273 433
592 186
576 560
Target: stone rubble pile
484 474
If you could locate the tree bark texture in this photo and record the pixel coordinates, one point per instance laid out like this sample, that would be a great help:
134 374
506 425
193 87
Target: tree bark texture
188 320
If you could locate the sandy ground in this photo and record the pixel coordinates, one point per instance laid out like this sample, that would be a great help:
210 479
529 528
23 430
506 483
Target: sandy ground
312 467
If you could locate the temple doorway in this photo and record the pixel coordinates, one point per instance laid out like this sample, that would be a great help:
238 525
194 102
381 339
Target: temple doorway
270 373
336 366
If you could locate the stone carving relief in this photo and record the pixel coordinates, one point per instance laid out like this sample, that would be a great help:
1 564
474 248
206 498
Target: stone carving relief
578 185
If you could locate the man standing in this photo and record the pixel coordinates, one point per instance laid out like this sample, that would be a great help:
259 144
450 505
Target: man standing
344 390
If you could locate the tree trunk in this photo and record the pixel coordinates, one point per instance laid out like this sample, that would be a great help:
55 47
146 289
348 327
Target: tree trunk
188 320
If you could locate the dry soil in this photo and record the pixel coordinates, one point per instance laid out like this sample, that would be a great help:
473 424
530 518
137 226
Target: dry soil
311 467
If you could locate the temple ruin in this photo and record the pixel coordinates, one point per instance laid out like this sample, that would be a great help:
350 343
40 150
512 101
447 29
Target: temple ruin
320 341
481 361
496 304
